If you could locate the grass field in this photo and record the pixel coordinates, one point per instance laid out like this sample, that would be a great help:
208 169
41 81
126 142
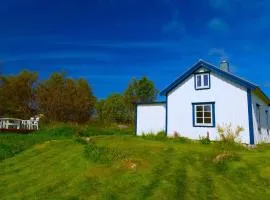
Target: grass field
56 164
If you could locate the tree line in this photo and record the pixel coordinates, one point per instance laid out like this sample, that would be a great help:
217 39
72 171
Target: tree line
60 98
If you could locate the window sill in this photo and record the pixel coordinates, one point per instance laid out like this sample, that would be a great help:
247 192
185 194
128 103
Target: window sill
204 126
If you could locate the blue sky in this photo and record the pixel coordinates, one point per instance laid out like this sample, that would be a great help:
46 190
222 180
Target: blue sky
110 41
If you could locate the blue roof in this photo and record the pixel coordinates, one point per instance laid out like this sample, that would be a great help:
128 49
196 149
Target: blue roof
210 67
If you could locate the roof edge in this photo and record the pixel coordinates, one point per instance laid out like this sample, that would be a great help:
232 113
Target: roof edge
202 63
152 103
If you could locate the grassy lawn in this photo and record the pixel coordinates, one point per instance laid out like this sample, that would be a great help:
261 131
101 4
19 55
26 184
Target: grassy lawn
54 164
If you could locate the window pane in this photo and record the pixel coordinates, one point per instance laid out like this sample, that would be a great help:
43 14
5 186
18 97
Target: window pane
199 81
203 114
206 80
207 108
199 114
199 108
207 120
207 114
199 120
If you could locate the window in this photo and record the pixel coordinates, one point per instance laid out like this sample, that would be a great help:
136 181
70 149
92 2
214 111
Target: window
258 116
203 114
267 121
202 81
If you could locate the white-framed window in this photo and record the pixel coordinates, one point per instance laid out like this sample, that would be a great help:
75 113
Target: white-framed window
204 114
202 81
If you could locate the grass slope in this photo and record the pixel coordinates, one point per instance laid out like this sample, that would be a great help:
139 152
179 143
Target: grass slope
127 167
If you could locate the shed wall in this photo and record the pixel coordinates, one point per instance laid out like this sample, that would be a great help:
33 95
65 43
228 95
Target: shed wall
150 118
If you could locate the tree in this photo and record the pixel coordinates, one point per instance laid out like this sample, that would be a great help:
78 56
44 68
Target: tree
1 90
113 109
100 110
65 99
18 94
50 96
84 101
139 91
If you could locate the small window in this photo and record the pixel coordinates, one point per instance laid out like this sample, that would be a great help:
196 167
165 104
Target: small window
258 116
202 81
203 114
267 121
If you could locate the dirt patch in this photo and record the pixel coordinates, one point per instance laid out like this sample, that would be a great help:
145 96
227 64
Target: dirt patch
98 171
222 157
132 164
41 146
88 139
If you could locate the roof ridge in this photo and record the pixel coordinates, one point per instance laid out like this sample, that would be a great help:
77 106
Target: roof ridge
196 65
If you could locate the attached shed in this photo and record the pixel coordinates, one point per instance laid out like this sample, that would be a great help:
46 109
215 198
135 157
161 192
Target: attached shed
151 118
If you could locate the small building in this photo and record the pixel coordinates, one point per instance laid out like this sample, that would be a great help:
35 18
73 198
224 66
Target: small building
202 98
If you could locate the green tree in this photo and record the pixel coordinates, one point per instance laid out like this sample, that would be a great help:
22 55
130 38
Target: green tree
114 109
139 91
100 110
84 101
18 94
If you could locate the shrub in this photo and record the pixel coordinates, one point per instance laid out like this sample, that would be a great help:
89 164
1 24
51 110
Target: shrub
204 140
161 135
81 140
81 131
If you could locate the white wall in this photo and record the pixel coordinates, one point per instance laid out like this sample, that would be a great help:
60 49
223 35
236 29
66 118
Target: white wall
263 136
230 107
151 118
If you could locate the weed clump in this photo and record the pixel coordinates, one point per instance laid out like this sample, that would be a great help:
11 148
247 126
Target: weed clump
228 137
161 135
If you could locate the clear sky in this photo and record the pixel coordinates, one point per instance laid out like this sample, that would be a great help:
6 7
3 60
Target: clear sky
110 41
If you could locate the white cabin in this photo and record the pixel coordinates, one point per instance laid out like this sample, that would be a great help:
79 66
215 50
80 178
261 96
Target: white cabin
202 98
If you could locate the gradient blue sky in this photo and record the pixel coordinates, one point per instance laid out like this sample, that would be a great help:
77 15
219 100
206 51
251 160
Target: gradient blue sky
110 41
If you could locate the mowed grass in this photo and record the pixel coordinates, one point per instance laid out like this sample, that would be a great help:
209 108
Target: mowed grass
123 166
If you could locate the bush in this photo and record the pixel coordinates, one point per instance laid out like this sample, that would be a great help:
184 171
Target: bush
205 140
81 140
161 135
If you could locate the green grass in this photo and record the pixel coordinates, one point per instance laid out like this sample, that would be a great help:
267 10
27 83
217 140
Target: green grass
54 165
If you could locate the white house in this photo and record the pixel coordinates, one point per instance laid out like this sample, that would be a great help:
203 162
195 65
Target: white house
202 98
